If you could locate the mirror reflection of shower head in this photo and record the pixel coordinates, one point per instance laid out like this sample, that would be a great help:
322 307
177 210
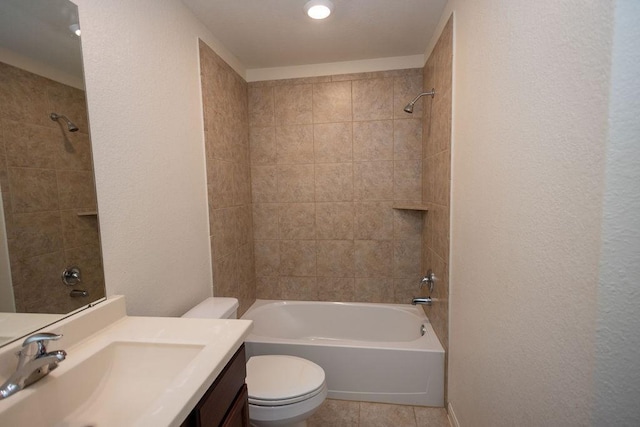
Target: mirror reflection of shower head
70 125
409 107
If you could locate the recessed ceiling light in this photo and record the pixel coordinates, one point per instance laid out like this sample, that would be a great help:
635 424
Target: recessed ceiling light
318 9
75 29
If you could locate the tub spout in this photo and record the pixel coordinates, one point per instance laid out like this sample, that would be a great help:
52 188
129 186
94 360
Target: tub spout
422 301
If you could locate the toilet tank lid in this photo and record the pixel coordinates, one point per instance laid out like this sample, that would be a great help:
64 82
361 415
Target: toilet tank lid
214 308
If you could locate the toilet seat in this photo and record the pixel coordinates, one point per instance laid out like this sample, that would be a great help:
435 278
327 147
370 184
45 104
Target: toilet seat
278 380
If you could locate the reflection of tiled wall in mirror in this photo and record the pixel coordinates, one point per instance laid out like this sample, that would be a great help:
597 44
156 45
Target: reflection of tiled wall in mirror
46 176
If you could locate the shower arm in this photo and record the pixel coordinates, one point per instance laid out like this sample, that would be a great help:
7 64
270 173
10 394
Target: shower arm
431 93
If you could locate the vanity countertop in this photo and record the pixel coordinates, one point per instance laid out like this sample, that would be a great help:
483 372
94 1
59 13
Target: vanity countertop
124 370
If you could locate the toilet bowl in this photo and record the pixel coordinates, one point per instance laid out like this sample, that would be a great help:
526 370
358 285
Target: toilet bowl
283 390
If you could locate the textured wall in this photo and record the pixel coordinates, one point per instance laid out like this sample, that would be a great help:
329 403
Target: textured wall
436 178
47 178
530 92
224 103
145 107
617 378
329 156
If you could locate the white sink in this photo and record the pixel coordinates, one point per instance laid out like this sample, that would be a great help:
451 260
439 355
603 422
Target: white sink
137 371
111 387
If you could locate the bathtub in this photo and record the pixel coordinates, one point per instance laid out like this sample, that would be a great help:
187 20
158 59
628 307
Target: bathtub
385 353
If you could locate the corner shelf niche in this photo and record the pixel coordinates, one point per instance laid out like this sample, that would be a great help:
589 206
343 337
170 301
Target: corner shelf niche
411 207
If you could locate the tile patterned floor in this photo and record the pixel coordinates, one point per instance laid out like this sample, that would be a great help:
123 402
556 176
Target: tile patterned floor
344 413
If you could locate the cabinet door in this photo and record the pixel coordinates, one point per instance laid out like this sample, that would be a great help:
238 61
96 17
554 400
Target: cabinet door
238 415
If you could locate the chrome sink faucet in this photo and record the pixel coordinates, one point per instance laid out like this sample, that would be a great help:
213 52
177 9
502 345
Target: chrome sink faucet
34 362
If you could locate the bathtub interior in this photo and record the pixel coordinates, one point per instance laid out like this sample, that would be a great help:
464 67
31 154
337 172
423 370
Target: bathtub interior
401 371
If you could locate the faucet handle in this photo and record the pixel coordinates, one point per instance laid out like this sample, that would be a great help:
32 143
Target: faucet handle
34 345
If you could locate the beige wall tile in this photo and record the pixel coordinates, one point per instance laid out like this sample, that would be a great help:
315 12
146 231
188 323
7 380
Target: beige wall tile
268 288
265 221
373 180
373 258
298 258
334 182
297 221
267 257
35 234
246 264
294 144
33 190
262 143
225 230
241 183
372 99
407 139
373 140
299 288
296 183
373 220
438 231
377 289
406 258
407 180
334 220
404 290
79 230
73 152
332 102
31 146
332 142
264 184
335 258
336 289
407 224
437 179
261 106
34 274
405 89
225 271
76 189
293 104
220 183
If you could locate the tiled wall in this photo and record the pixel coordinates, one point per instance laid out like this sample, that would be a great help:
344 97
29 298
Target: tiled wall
46 176
436 177
329 157
226 124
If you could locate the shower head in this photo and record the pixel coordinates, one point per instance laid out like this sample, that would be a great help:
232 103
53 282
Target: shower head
70 125
409 107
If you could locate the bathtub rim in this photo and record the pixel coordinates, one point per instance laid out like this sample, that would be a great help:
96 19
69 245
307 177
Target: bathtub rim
429 342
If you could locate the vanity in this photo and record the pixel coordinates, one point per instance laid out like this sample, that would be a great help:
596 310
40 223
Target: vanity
136 371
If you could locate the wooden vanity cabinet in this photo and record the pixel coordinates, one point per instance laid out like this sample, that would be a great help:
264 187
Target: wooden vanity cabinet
226 403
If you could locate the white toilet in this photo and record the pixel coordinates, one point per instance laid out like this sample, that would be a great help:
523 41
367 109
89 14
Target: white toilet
283 390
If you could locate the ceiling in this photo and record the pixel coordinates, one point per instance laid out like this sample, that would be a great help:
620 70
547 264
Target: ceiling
277 33
25 24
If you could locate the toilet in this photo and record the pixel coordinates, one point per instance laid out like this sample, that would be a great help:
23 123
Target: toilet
283 390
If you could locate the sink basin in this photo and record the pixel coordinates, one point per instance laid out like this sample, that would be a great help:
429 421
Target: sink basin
110 387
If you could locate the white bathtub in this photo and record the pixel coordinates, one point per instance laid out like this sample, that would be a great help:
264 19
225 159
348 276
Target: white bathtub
370 352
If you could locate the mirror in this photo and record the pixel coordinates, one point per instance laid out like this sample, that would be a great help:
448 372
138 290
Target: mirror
48 212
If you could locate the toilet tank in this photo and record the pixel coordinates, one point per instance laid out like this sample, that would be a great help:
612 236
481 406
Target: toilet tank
215 308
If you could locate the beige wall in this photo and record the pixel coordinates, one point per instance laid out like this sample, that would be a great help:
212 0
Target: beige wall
530 91
224 101
436 179
47 179
145 107
330 156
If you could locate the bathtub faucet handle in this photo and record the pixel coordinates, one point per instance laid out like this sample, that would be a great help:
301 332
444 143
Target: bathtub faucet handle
429 280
